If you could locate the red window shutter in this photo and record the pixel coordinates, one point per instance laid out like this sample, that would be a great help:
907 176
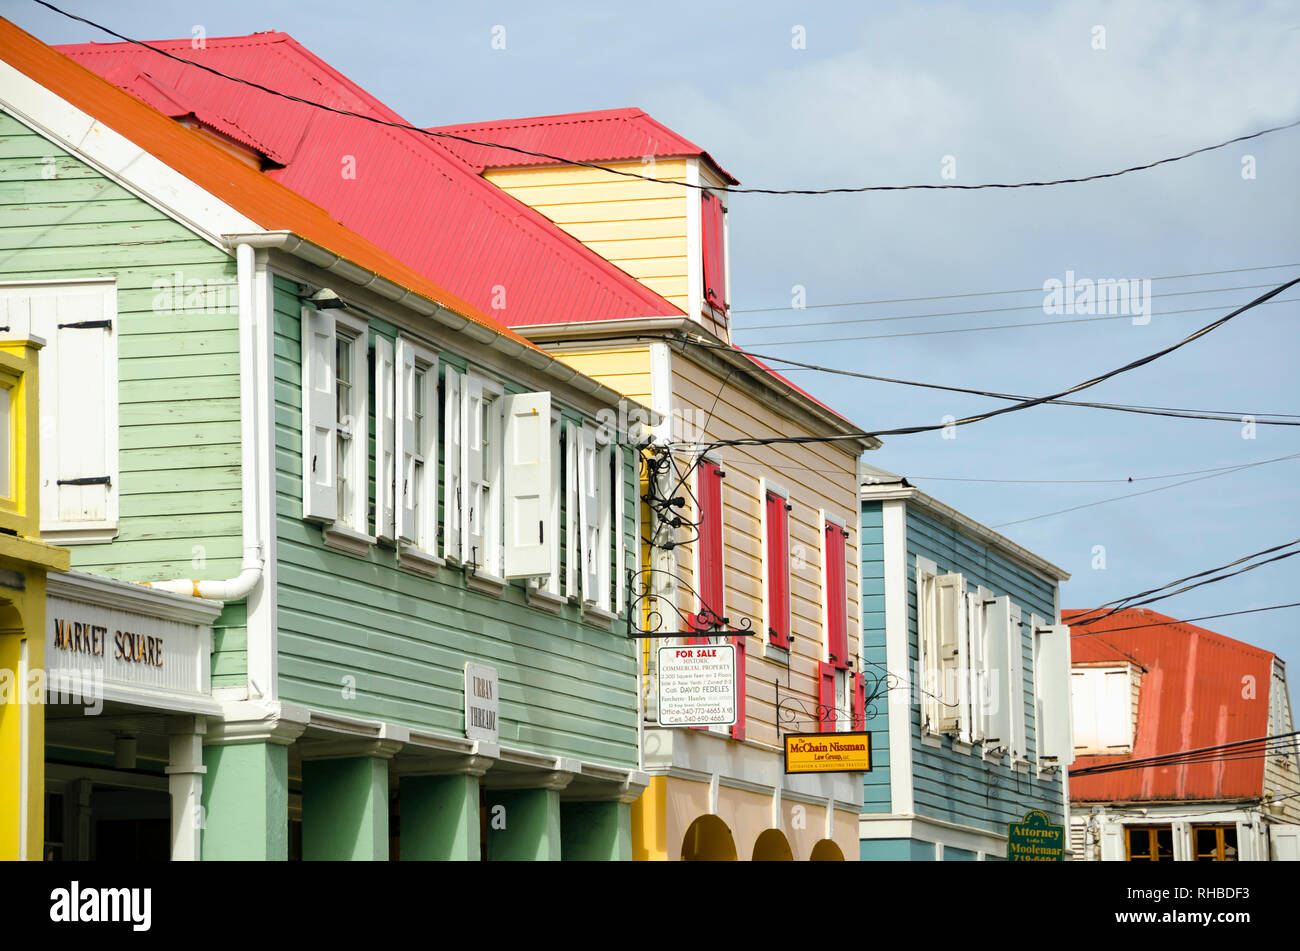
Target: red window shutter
837 597
859 701
778 570
826 697
738 730
715 265
709 583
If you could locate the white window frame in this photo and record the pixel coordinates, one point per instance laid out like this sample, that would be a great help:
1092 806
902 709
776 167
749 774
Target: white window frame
553 583
489 558
419 538
927 617
16 313
357 333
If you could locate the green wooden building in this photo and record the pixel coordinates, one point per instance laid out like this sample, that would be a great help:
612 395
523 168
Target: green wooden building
415 523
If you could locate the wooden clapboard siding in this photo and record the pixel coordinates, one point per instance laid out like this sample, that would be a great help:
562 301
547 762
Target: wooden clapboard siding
636 225
962 787
818 476
178 367
567 687
623 369
875 786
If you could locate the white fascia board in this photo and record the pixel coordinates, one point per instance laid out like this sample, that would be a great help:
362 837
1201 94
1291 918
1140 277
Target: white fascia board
118 158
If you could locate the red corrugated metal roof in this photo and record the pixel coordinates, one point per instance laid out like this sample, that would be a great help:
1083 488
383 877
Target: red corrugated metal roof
395 187
1198 689
482 238
607 135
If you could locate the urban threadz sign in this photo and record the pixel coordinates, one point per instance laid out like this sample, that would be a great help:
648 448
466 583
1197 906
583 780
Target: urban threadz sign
1035 839
827 752
697 685
481 702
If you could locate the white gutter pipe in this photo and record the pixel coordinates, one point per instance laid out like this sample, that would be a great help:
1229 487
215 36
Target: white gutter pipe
238 588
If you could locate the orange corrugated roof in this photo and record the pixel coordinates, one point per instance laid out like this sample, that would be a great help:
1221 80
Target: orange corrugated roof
240 186
1198 689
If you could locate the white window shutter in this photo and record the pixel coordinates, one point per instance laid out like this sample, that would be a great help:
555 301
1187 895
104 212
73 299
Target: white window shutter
589 513
527 479
997 721
619 527
572 506
950 592
404 439
473 495
1083 693
385 439
454 462
1115 716
977 674
1016 683
1052 676
319 419
927 619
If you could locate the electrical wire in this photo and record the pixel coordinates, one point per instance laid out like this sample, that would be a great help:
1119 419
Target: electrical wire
1205 617
964 313
1160 488
1120 604
1026 404
1198 755
1021 290
1058 322
1222 415
666 181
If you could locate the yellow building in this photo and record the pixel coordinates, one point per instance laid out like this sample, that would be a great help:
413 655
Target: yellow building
756 542
24 561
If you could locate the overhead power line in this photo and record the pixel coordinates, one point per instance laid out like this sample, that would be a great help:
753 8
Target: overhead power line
950 186
1021 290
1015 407
1160 488
1055 322
1264 745
786 362
983 310
1129 479
1204 617
1130 601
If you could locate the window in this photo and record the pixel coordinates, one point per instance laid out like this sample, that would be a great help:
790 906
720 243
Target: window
481 475
335 432
980 675
416 450
713 233
1215 843
78 402
1149 843
1103 705
589 490
776 562
709 574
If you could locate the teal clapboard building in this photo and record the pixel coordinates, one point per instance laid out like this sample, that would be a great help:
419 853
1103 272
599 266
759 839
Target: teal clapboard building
416 523
970 725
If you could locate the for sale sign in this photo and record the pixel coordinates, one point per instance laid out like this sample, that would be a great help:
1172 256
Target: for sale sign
697 685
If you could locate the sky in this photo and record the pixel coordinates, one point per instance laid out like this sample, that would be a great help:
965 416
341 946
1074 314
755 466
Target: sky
815 95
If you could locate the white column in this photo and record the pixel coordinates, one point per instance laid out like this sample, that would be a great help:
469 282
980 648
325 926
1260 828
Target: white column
185 771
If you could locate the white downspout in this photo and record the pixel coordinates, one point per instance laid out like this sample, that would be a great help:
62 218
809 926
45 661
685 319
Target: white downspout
236 589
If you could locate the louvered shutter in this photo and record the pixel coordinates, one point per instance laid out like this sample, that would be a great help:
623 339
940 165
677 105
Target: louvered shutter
405 449
997 722
320 416
473 489
950 590
1115 706
826 699
709 583
589 513
527 485
738 728
977 660
1052 676
385 440
837 634
453 454
778 570
1016 674
715 273
572 508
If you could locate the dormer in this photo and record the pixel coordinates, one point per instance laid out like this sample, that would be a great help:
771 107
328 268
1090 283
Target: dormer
671 238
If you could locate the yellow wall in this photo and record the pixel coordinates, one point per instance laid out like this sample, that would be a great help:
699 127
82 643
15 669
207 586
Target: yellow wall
638 226
24 560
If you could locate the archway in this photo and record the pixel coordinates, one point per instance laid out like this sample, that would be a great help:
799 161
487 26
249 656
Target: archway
773 846
708 839
826 851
